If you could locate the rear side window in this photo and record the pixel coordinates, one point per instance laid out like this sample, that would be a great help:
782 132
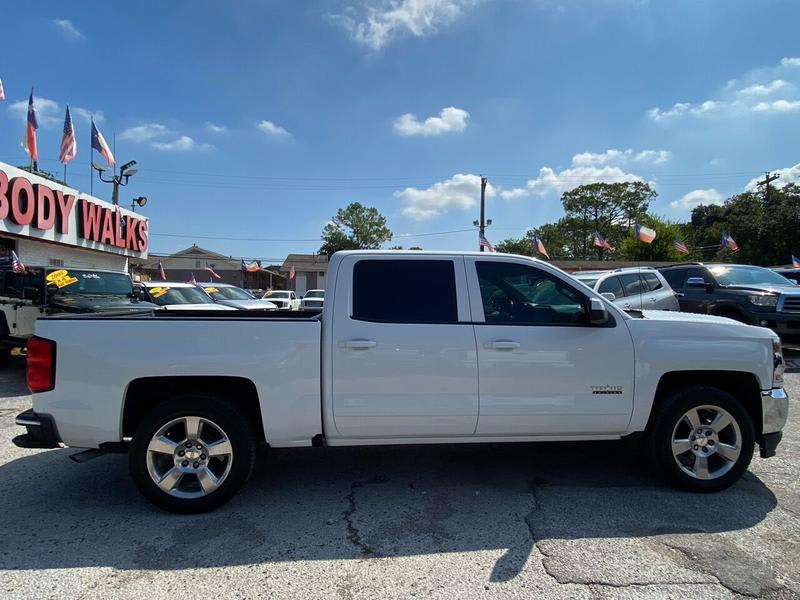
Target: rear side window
612 285
633 284
405 291
652 281
674 277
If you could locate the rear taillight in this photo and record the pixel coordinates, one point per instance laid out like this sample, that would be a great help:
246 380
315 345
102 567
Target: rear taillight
41 364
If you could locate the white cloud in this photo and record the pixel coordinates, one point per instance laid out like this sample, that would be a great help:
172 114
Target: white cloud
450 119
272 130
696 198
461 191
68 29
377 23
787 175
790 62
183 144
144 132
760 89
656 157
612 155
87 115
214 128
778 106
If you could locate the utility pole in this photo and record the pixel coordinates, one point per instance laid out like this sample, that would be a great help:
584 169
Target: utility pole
482 226
767 179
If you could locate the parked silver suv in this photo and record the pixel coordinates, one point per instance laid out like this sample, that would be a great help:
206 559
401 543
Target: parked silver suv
632 288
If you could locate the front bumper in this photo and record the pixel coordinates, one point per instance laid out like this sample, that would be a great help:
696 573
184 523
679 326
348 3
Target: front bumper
774 413
41 431
781 323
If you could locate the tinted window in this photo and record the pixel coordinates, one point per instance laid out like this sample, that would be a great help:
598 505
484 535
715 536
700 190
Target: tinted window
701 273
652 281
519 294
632 283
674 277
613 285
13 284
405 291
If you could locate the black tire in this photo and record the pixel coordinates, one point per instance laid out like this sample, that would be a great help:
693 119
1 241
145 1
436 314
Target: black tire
670 414
223 414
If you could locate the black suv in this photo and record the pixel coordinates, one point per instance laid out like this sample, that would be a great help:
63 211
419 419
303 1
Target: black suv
753 295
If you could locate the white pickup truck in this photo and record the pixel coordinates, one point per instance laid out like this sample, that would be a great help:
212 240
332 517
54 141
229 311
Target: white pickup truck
412 348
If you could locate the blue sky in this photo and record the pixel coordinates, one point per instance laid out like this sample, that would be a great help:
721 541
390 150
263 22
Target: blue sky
258 119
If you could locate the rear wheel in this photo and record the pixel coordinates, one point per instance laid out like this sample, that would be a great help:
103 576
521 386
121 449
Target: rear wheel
191 454
702 439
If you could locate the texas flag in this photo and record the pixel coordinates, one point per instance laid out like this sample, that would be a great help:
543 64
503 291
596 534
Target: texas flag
99 144
29 141
645 234
728 242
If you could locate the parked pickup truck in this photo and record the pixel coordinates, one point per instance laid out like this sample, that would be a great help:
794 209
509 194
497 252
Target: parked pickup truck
502 349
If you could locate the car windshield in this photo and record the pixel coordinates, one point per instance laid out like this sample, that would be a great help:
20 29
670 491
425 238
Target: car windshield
745 275
84 281
278 295
165 295
315 294
228 293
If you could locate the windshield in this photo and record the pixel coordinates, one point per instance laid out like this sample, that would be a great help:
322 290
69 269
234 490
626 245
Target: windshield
228 293
743 275
83 281
587 281
279 295
164 296
315 294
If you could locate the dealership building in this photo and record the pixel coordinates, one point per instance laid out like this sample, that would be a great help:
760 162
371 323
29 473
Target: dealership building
49 224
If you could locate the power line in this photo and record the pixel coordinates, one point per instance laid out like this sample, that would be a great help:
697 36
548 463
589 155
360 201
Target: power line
255 239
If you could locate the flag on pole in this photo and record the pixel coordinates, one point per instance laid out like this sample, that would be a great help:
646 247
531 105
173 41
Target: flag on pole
69 144
645 234
602 242
483 242
16 263
99 144
680 246
728 242
193 281
161 271
251 267
2 92
291 272
29 141
795 262
213 273
539 245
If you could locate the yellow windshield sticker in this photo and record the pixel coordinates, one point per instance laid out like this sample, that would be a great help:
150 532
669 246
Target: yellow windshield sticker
211 290
61 278
157 292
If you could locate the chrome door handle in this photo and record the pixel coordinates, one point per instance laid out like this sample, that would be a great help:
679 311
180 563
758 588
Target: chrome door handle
627 305
358 344
504 345
679 294
653 299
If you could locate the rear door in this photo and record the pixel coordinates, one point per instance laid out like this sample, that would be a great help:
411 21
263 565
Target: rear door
697 299
404 362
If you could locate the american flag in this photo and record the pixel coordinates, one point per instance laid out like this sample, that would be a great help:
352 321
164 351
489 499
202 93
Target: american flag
69 145
291 272
537 242
601 242
212 271
645 234
16 263
484 243
728 242
795 262
680 246
29 141
161 271
99 144
2 93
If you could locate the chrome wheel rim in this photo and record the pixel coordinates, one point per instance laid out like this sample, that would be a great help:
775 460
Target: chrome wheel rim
189 457
706 442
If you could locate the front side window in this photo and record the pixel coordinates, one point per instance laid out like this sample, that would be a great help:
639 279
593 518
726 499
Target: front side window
612 285
632 282
652 281
518 294
405 291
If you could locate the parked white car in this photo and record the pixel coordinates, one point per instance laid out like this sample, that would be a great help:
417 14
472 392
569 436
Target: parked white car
283 299
503 348
231 295
632 288
174 295
313 301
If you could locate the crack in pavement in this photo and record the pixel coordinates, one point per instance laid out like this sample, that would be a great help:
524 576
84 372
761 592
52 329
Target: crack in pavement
353 533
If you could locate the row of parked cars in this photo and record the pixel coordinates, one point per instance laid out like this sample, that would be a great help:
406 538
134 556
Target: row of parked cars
745 293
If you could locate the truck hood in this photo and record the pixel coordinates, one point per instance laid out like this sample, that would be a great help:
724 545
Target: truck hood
791 290
79 303
249 304
680 317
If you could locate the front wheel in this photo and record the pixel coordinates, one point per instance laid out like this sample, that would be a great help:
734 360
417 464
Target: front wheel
191 454
702 439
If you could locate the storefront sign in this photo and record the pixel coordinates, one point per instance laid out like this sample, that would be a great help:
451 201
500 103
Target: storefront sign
34 207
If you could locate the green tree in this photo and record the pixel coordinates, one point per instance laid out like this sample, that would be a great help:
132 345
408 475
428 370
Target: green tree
522 246
661 249
355 227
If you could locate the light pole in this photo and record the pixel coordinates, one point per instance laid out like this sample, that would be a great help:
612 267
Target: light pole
126 171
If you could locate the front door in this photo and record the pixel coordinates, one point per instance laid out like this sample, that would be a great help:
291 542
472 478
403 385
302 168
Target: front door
543 369
404 362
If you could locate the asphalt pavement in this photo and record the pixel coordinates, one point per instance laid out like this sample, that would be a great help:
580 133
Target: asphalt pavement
583 520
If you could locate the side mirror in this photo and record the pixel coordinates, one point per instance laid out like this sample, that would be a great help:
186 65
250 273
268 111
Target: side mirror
610 296
30 293
598 315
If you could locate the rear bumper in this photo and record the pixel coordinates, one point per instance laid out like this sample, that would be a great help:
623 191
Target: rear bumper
40 431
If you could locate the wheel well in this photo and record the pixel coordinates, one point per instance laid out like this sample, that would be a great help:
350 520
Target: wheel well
742 386
728 310
144 394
